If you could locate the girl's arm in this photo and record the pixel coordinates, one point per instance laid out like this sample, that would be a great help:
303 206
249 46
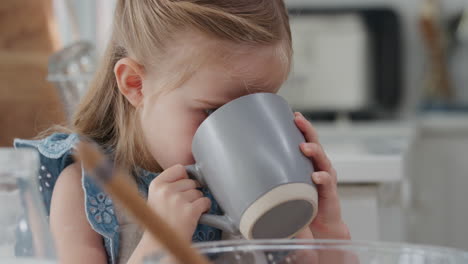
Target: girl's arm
75 240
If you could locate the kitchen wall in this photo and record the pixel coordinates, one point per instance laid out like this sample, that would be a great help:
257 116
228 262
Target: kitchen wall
28 103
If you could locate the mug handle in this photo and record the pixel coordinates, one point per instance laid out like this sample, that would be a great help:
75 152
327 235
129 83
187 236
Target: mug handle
217 221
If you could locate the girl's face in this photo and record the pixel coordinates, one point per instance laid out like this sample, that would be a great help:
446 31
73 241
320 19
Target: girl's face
171 118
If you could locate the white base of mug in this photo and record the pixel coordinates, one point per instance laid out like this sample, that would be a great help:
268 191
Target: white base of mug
275 197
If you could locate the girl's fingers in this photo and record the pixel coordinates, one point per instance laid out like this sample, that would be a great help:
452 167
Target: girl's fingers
201 205
329 212
325 183
191 195
172 174
312 147
183 185
317 154
306 128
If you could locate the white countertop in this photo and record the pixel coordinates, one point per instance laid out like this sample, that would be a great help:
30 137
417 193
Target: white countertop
444 123
365 153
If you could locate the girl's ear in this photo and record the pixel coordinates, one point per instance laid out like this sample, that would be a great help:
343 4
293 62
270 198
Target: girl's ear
129 76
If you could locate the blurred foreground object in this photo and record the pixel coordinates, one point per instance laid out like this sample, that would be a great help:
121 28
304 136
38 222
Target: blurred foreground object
300 251
28 102
24 232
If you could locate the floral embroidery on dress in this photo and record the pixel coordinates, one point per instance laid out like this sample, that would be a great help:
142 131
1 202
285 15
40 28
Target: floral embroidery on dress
101 207
101 216
202 235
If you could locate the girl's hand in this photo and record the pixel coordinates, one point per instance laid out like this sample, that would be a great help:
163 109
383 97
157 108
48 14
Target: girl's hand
175 198
328 224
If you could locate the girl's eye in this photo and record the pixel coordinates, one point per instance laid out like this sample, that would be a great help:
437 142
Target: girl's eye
210 111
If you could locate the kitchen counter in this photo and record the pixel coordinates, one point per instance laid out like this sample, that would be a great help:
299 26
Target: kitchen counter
370 161
444 123
367 152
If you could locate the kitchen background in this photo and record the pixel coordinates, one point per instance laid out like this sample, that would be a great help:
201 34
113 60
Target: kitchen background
384 81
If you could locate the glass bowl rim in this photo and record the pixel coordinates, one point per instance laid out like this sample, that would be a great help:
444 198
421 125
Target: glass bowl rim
354 245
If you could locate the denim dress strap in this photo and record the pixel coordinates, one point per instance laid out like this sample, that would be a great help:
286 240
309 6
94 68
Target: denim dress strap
100 212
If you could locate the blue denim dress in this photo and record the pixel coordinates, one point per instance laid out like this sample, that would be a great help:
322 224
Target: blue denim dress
55 155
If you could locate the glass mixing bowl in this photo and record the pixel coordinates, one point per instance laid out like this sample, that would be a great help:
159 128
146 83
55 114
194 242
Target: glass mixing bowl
320 251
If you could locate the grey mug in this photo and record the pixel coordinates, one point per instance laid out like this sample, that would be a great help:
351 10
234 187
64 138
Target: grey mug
247 153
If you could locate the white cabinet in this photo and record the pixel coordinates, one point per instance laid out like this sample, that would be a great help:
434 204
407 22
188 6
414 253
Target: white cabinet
374 211
438 169
370 161
359 208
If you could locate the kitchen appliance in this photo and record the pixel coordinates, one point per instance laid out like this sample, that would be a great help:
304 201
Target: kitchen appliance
331 69
346 60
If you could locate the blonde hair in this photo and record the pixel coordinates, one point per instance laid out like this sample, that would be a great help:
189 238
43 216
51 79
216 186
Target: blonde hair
143 29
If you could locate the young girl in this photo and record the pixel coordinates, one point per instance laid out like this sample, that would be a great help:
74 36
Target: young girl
168 64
